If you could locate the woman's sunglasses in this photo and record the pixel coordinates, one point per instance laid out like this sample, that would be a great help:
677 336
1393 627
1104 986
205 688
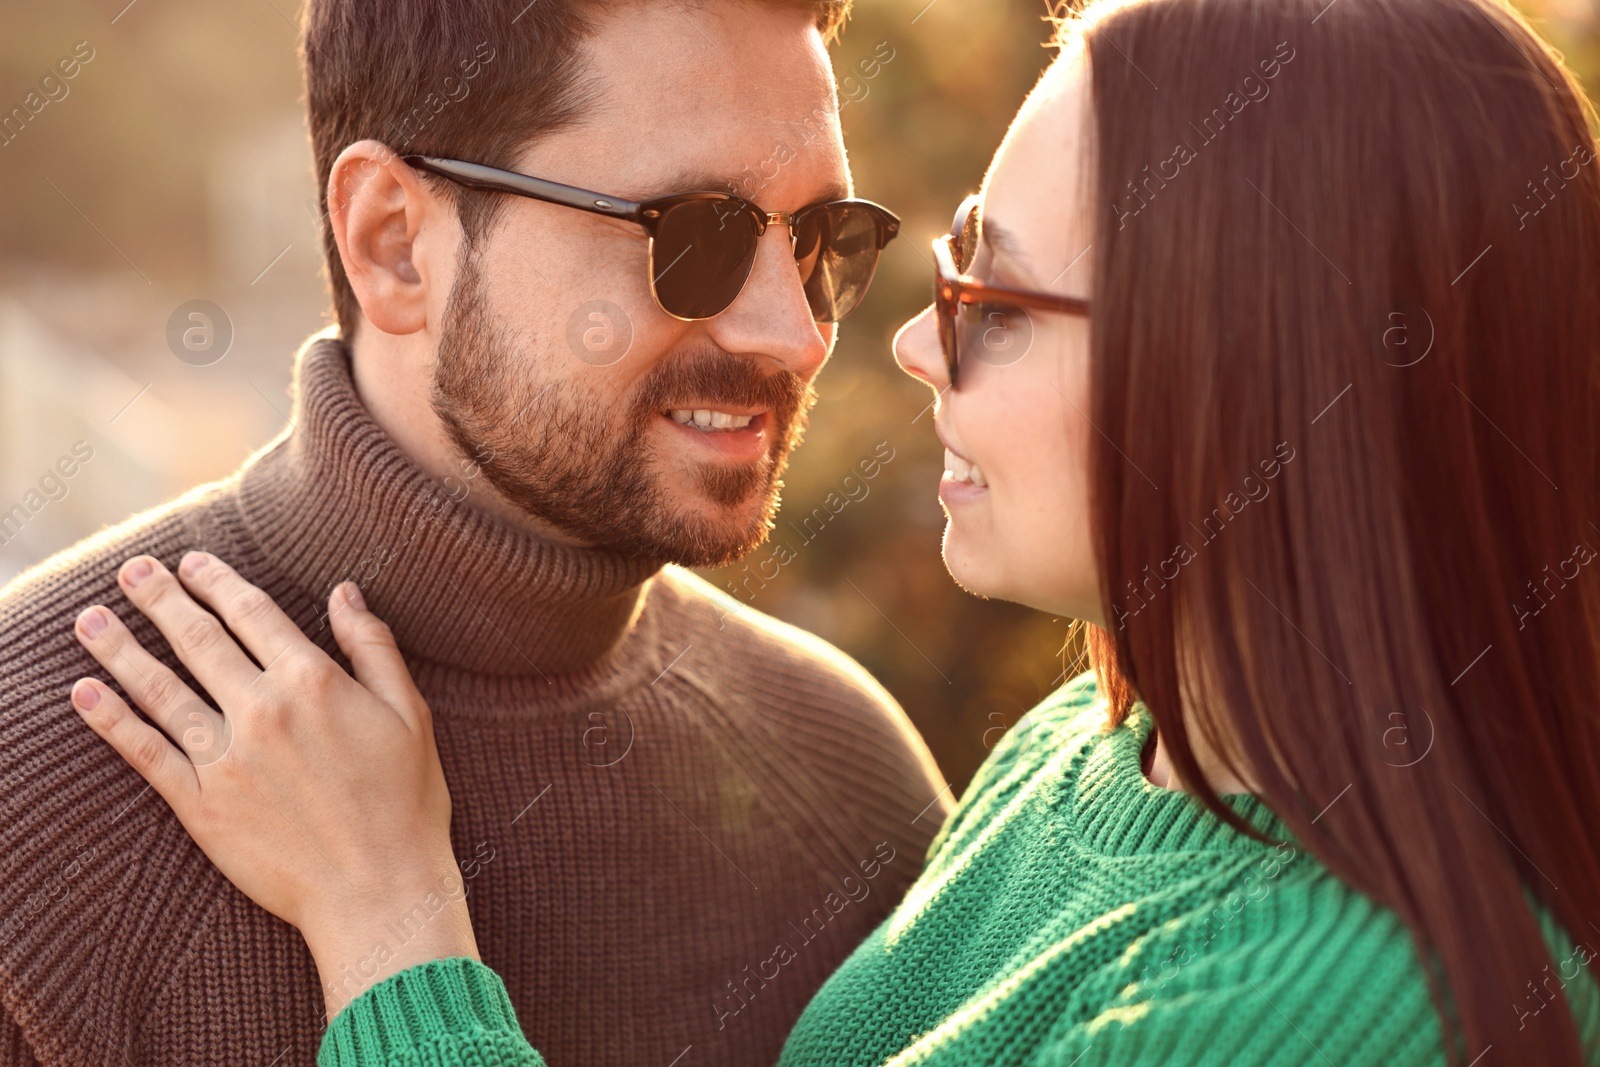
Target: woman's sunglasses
703 244
964 305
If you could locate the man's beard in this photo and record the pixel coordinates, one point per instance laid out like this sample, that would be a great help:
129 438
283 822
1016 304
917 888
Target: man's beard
564 457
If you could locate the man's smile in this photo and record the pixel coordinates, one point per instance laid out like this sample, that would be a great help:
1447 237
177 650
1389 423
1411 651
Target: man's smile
711 418
739 436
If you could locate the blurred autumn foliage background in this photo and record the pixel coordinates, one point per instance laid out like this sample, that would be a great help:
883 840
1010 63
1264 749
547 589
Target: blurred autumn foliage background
173 166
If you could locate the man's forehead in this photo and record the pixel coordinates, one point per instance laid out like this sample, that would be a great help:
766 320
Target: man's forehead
678 63
761 154
704 95
769 164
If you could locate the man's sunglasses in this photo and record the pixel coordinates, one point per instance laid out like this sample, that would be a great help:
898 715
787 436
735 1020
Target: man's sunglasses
703 244
963 304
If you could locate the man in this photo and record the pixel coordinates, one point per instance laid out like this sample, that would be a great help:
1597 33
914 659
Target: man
674 815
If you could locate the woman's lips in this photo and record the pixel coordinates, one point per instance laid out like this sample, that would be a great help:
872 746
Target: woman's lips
959 469
963 479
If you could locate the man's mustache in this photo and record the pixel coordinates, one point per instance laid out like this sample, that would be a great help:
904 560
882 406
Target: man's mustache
712 376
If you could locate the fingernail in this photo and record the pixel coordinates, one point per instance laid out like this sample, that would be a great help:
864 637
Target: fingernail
93 622
137 571
85 696
353 597
193 563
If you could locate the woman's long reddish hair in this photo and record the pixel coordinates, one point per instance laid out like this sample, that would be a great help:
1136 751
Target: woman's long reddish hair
1382 261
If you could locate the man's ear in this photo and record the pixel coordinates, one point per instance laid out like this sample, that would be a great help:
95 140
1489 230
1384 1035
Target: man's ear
387 224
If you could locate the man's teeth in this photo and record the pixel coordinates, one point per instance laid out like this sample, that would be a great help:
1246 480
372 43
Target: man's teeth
960 470
706 419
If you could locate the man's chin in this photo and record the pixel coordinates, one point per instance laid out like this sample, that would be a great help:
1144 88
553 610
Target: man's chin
704 532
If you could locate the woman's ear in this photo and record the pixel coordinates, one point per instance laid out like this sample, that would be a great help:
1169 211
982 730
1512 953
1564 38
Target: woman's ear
382 216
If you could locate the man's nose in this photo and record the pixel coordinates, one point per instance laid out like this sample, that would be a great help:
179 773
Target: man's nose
771 317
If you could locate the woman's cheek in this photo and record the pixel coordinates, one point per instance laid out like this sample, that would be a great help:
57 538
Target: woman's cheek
1041 504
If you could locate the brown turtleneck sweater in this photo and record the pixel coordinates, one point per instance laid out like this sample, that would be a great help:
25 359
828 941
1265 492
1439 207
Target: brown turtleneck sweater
674 815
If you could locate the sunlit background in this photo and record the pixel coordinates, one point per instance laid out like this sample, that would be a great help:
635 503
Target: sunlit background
175 168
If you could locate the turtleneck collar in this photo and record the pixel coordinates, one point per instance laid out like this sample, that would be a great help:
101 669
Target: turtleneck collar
334 498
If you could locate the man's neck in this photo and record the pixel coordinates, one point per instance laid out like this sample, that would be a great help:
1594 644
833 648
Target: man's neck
337 497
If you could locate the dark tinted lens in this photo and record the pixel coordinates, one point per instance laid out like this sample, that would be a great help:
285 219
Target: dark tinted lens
948 341
837 248
702 254
945 312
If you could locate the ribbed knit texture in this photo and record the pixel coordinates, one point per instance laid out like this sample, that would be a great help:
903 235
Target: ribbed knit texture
1071 914
650 781
1074 913
446 1012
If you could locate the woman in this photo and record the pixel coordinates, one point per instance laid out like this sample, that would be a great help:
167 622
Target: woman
1308 442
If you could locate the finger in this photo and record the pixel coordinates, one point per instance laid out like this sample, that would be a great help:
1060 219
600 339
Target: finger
196 635
250 613
139 743
374 656
154 686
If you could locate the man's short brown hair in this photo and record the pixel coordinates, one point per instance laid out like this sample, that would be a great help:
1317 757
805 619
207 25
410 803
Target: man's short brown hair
467 79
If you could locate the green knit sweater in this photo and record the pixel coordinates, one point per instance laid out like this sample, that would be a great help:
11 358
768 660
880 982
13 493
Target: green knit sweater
1070 913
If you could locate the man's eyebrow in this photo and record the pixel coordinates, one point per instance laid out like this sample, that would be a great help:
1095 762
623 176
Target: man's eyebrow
699 179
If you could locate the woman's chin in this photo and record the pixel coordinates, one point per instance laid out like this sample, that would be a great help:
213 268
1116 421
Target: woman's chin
973 569
980 569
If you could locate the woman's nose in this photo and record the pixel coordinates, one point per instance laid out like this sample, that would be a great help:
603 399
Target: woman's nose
916 349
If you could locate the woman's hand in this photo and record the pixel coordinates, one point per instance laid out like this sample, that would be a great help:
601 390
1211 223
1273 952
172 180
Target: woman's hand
319 795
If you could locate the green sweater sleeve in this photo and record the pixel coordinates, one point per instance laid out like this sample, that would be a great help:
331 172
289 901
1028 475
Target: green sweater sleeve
443 1013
